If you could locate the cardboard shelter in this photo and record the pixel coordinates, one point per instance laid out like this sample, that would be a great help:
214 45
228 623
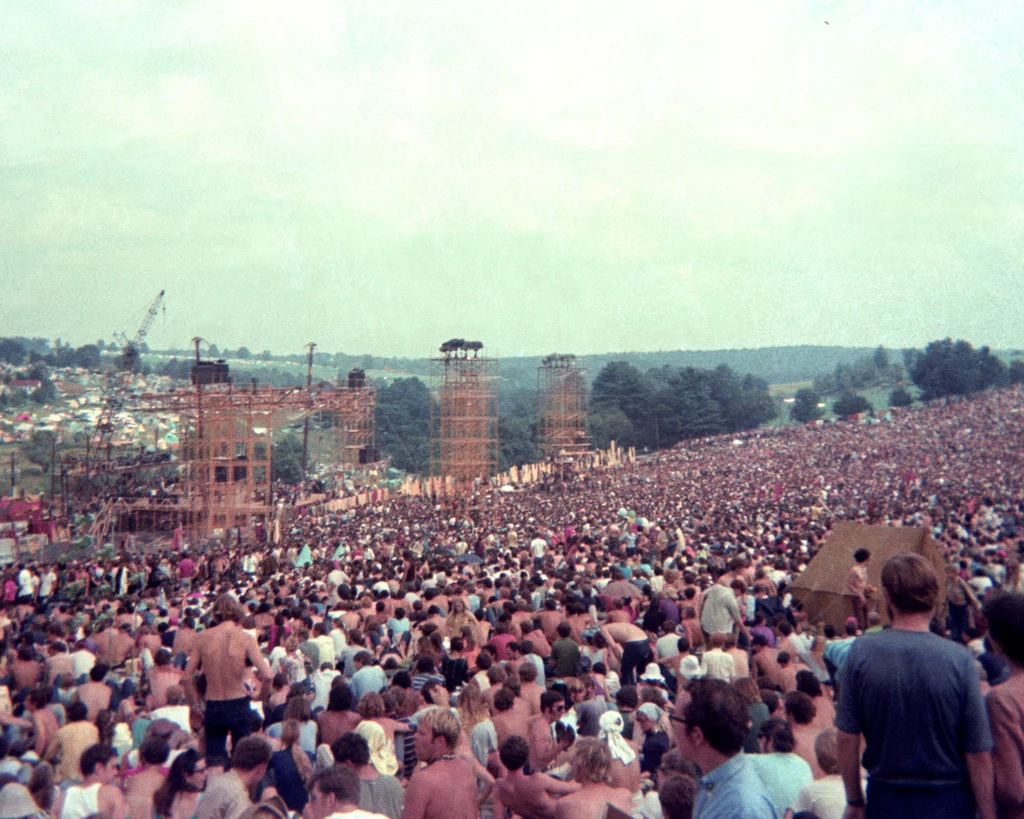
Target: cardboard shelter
821 587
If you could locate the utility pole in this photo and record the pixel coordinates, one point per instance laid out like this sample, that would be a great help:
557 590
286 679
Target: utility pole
12 473
305 424
53 466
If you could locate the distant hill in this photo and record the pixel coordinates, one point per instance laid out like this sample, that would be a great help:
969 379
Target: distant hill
777 365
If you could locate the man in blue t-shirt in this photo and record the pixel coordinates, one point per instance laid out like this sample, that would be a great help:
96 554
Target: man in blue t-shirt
916 699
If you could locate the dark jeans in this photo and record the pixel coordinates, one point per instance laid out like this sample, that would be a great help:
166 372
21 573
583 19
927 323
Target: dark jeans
958 621
635 655
885 801
224 717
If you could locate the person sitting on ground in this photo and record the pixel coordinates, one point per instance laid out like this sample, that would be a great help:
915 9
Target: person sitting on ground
378 792
230 795
446 787
97 794
142 784
178 796
527 794
825 797
783 772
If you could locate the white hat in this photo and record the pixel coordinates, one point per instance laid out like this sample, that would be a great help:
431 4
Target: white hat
653 674
690 668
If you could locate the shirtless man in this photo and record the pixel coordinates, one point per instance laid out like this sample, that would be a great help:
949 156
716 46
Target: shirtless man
116 645
95 694
544 747
591 761
44 721
635 648
446 787
162 677
222 653
140 786
549 619
509 720
529 795
59 662
765 661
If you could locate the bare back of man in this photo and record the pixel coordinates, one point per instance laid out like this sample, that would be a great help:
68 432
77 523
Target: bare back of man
445 789
590 801
221 653
624 633
531 796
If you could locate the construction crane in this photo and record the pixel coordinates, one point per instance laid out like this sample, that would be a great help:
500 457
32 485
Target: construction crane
130 347
116 385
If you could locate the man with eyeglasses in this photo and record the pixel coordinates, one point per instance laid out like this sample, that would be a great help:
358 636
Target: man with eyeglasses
710 729
545 746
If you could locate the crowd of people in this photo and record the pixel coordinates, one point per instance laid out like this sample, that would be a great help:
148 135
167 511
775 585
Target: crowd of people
623 642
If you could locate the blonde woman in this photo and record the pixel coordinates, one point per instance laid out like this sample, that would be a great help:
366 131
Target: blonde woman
459 617
478 726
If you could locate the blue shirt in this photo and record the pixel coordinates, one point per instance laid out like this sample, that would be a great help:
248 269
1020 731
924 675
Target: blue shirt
733 790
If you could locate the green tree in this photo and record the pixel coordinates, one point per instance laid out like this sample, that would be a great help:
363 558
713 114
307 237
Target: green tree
949 368
12 351
403 424
1016 371
900 397
45 393
805 406
850 403
39 449
243 353
622 386
286 459
88 357
608 423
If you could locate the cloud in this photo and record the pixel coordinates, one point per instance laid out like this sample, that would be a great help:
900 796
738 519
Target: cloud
665 175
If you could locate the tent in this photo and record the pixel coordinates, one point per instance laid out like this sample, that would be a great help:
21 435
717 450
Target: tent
821 587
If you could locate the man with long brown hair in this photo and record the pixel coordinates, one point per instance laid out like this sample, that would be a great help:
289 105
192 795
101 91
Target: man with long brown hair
221 653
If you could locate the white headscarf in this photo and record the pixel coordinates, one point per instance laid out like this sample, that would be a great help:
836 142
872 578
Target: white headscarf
611 732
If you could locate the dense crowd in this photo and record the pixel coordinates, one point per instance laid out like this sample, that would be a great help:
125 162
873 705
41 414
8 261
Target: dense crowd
623 640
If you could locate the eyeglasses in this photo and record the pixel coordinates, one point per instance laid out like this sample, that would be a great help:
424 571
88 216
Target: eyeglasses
199 770
675 718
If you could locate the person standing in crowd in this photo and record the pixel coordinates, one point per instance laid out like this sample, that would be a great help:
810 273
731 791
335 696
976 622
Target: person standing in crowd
222 653
1005 702
857 586
933 761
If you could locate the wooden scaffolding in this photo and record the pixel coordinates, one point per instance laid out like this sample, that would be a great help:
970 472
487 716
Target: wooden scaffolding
463 413
562 408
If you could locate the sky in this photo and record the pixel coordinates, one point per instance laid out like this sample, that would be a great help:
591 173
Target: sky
573 177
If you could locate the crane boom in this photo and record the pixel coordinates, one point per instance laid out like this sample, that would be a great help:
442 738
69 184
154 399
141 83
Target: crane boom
130 353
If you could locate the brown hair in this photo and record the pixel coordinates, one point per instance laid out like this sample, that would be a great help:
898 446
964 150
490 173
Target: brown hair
748 689
911 583
591 761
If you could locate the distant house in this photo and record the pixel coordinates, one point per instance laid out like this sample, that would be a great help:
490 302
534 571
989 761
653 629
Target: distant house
26 384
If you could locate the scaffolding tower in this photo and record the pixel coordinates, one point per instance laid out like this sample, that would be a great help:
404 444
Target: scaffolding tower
562 408
224 471
463 412
353 425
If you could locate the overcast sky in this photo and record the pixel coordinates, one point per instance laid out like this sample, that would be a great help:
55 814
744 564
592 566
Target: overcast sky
552 176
